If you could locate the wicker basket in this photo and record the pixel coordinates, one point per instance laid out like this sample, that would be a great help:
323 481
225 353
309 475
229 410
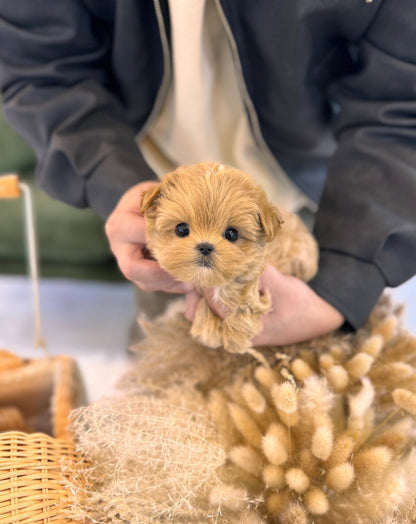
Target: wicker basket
36 397
33 466
32 487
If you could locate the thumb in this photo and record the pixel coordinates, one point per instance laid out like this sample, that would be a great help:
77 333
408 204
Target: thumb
218 307
192 300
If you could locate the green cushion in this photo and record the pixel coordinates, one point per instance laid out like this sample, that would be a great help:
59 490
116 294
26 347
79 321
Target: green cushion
15 155
72 242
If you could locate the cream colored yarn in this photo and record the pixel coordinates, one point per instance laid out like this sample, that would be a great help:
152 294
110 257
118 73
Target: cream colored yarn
324 435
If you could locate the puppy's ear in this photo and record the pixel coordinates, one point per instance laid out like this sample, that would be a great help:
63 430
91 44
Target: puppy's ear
270 219
149 198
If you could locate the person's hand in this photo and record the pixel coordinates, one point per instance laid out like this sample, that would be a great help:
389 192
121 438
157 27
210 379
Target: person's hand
126 232
297 314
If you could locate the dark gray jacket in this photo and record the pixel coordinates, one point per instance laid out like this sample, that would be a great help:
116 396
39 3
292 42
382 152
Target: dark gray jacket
326 83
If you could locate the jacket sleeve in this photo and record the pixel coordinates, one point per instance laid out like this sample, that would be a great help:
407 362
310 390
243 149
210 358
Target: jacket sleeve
57 94
366 226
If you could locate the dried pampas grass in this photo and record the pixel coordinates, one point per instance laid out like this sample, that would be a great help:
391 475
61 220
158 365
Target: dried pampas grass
323 434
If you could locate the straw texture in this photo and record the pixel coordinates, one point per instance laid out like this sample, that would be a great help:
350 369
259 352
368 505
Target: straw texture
32 485
37 395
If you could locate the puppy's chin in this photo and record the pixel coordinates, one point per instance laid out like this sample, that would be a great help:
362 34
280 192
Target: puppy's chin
199 274
208 276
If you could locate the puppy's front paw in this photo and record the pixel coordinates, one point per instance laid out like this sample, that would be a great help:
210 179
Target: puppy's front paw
238 330
235 343
207 327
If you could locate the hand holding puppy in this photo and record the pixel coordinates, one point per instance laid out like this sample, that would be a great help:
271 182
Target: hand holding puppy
126 232
297 313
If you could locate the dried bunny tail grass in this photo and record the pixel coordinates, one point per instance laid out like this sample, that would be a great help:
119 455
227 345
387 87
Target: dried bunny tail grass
315 397
289 419
231 498
138 448
297 480
373 345
391 374
360 403
326 361
339 351
397 437
315 402
337 377
220 415
247 459
342 449
265 376
316 502
274 476
276 444
274 451
294 513
307 356
359 365
275 502
340 478
309 463
403 349
245 425
253 398
371 463
323 440
378 500
387 328
301 370
285 397
405 399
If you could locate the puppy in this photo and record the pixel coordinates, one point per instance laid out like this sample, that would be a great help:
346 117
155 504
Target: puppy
212 226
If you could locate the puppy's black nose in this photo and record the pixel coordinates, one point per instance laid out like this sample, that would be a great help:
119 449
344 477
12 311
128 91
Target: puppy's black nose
205 248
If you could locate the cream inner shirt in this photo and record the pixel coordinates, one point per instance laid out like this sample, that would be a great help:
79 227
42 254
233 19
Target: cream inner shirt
203 115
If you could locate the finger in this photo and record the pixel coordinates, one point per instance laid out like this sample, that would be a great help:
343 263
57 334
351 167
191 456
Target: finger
218 307
131 200
126 223
173 286
128 227
149 276
192 300
145 272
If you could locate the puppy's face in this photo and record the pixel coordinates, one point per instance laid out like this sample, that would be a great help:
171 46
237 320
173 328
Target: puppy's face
208 224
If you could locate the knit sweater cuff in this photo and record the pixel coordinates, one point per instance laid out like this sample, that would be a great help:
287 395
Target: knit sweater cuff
351 285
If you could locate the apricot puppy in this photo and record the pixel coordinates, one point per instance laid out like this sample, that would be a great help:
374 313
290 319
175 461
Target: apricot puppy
212 226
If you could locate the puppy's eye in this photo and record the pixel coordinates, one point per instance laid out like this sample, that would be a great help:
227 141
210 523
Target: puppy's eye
231 234
182 230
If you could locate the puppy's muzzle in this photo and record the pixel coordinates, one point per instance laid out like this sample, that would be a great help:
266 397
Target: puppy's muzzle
205 249
205 252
